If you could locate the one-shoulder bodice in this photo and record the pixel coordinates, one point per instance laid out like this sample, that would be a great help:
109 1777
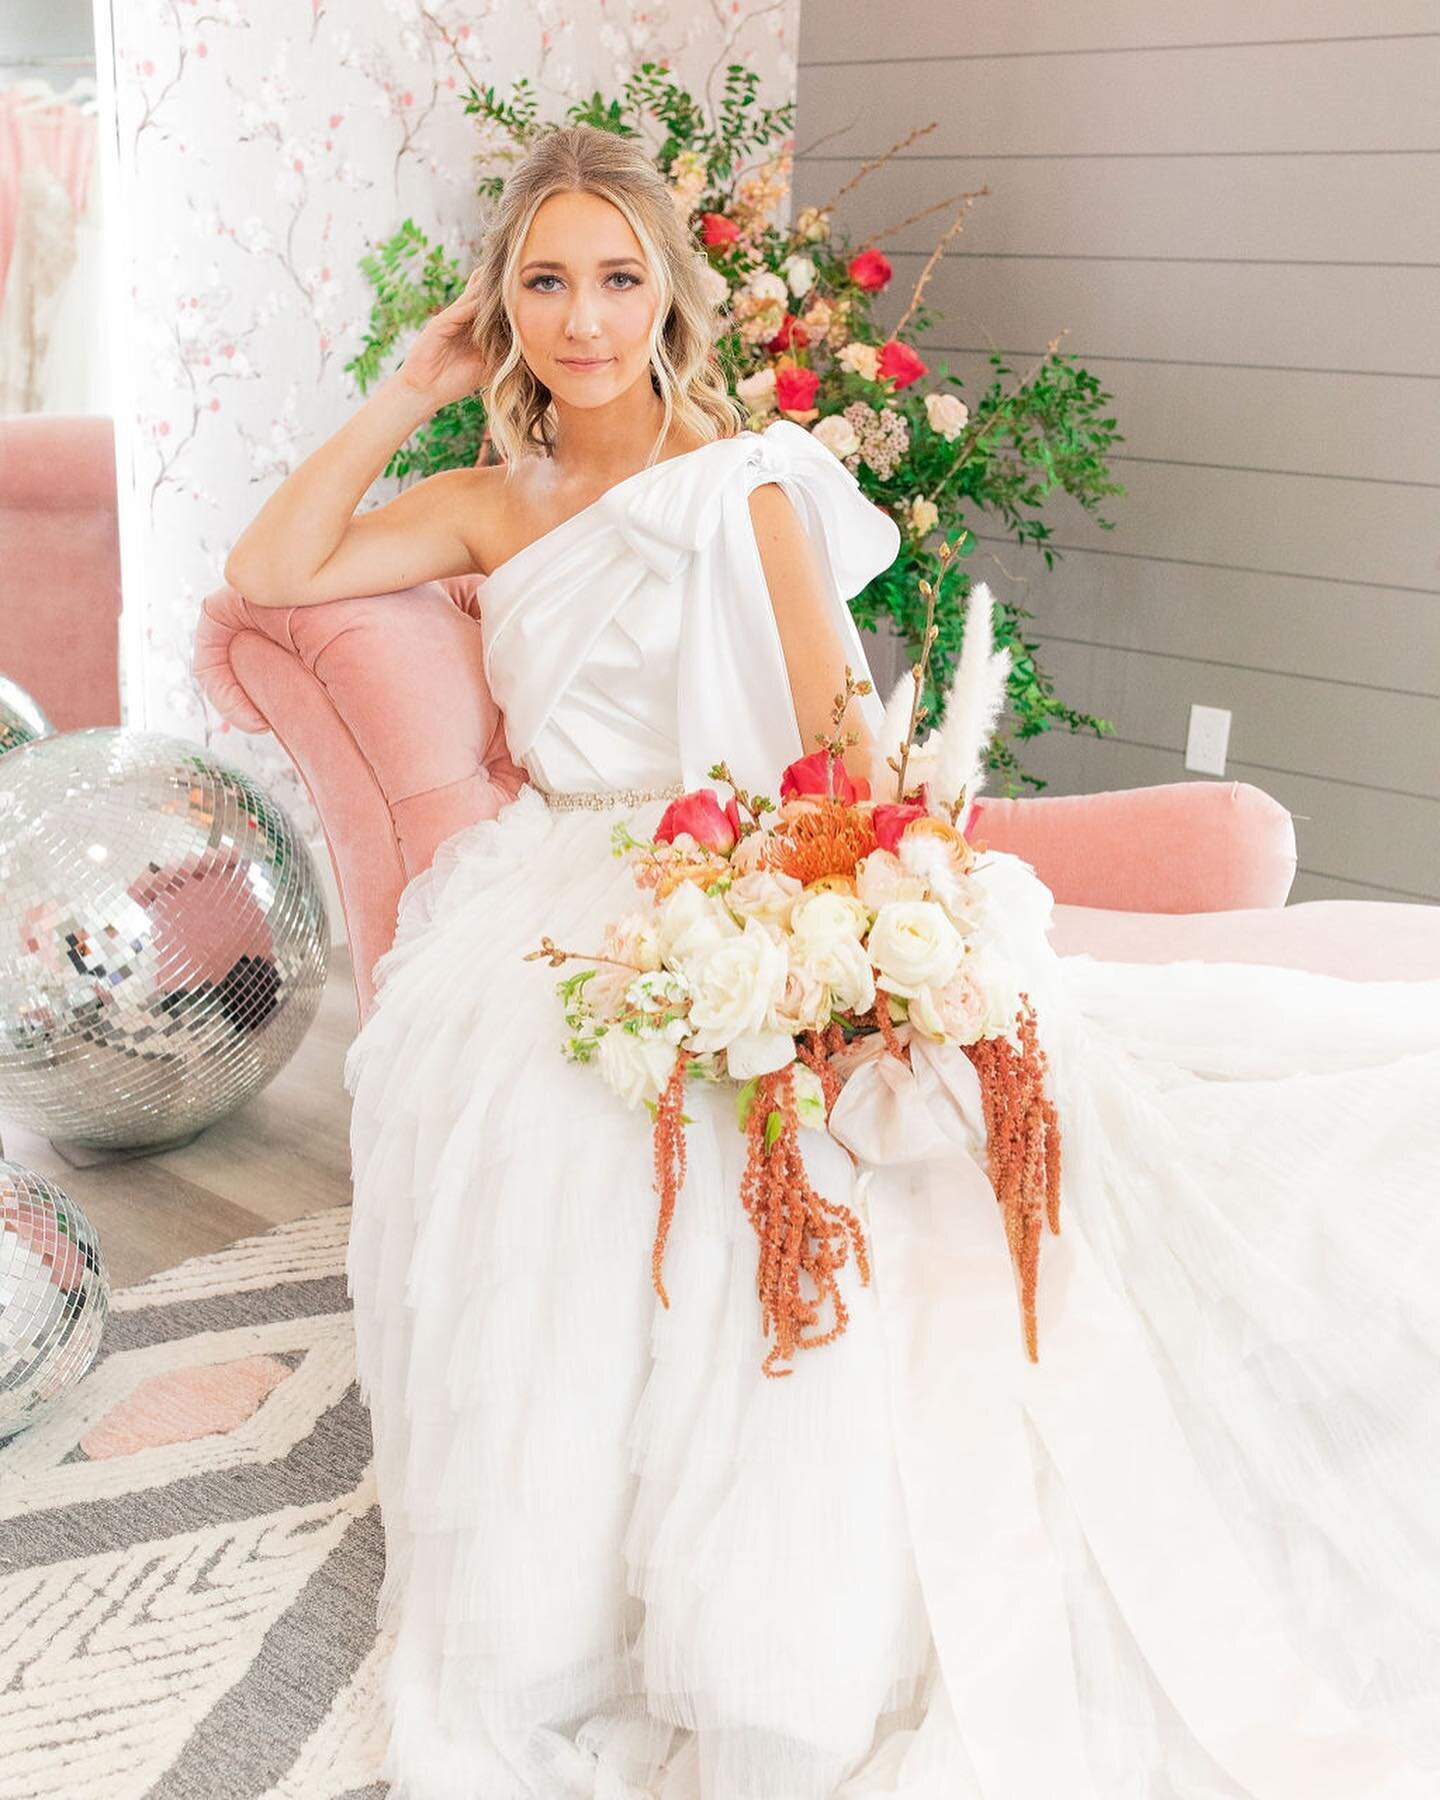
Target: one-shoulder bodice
635 643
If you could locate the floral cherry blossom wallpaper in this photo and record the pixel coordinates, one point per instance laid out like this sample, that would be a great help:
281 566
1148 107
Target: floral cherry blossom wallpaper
261 147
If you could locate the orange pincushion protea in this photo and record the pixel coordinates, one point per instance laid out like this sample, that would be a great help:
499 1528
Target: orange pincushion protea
827 838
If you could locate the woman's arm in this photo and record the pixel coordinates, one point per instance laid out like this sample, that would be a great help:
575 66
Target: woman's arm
306 543
814 657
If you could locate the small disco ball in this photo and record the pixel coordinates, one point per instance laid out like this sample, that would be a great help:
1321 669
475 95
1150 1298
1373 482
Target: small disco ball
21 719
54 1295
164 939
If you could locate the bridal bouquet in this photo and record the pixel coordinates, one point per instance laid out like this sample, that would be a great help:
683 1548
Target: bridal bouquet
772 937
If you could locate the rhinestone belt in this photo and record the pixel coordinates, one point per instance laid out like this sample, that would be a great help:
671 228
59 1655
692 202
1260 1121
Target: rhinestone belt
602 798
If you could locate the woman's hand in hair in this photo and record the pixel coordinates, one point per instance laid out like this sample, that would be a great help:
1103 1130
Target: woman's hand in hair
443 365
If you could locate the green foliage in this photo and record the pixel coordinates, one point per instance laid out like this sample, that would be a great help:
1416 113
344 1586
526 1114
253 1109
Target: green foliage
1024 438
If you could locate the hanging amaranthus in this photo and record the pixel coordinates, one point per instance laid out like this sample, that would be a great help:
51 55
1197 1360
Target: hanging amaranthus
1023 1146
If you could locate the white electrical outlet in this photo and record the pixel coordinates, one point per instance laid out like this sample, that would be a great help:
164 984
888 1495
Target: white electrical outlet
1208 740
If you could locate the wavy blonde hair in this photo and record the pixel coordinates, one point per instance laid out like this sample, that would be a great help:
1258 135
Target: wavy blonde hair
684 369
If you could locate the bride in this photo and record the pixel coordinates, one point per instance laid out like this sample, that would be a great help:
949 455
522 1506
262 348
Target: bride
1193 1553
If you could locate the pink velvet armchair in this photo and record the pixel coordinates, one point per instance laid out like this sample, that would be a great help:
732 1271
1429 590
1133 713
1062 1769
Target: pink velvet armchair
381 703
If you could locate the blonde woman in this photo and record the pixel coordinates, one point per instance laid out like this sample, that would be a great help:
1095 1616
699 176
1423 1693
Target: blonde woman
621 1560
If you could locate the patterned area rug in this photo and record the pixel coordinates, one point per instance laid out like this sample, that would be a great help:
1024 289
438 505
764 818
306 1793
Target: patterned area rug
190 1546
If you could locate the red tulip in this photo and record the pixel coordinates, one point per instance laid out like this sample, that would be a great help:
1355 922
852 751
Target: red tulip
716 229
795 389
869 270
809 774
701 814
900 362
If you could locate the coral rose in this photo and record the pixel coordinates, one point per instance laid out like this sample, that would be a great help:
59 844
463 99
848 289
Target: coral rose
811 775
900 363
869 270
795 389
717 230
890 820
701 815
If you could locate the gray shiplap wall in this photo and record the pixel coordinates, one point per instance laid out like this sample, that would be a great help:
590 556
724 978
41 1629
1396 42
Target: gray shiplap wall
1236 212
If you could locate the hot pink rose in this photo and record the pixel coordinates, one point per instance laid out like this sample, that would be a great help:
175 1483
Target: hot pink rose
701 814
869 270
900 363
808 776
716 229
795 389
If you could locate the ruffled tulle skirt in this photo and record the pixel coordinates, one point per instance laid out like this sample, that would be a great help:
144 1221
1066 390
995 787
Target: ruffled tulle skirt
623 1563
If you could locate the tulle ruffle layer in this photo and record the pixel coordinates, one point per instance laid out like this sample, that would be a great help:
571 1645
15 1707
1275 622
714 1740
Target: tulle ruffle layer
625 1565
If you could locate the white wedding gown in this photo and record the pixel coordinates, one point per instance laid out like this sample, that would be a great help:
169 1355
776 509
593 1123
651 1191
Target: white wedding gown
1193 1553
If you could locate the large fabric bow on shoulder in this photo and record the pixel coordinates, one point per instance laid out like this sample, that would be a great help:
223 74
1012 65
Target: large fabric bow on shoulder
964 1399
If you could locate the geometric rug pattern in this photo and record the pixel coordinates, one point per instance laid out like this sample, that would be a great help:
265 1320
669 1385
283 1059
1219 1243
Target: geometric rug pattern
191 1549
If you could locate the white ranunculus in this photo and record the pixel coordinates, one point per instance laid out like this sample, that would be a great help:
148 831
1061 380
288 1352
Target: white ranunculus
821 915
799 271
913 944
690 921
635 1064
764 894
924 515
947 414
734 983
837 434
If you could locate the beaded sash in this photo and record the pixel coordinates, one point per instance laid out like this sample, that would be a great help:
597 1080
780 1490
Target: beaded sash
602 798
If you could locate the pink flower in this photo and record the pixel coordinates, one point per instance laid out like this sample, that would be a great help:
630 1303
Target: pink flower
716 229
702 816
900 363
808 775
869 270
795 389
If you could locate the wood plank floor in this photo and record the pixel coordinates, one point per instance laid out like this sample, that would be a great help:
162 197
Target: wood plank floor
285 1152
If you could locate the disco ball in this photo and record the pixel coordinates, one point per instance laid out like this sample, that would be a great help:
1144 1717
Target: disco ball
54 1295
163 938
20 716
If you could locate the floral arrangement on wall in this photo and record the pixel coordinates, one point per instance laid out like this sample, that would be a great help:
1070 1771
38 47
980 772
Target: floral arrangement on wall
798 340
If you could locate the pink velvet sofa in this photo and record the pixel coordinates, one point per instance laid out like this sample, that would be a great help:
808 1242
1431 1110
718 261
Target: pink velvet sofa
60 565
381 703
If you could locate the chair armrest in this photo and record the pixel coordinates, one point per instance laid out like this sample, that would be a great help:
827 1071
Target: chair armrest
1177 847
381 703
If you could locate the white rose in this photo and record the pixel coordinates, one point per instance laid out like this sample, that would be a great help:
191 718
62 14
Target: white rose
843 964
735 982
880 877
799 271
820 916
757 388
764 894
958 1011
635 1065
837 434
914 945
690 921
994 974
947 414
714 284
860 359
768 286
804 1002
